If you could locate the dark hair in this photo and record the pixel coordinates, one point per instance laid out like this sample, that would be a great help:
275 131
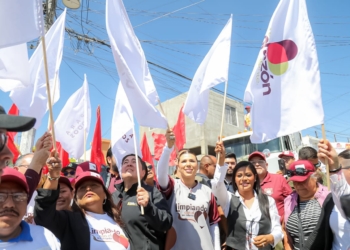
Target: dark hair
231 155
143 164
109 207
109 154
262 198
345 154
306 153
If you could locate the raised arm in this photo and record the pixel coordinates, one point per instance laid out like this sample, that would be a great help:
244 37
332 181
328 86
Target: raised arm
218 186
163 163
339 185
45 213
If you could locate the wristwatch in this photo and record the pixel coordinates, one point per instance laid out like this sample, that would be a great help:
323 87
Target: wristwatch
336 170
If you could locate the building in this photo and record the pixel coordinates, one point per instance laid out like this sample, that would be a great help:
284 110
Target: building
202 138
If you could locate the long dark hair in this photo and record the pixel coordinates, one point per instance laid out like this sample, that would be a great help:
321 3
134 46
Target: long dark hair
262 198
111 209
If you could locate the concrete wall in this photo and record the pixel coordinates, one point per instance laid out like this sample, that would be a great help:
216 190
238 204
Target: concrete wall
197 136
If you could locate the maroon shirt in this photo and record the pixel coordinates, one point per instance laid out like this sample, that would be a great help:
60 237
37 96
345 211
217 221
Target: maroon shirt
276 186
33 179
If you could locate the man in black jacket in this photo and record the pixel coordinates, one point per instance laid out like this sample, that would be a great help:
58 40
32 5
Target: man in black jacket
145 232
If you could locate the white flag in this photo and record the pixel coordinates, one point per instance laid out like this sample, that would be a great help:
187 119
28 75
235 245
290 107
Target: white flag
74 117
122 128
20 21
14 67
132 66
32 100
212 71
285 83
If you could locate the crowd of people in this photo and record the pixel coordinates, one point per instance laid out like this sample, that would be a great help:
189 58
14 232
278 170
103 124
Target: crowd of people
217 203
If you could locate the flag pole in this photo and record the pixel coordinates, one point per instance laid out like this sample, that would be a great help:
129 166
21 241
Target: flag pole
326 161
223 117
137 158
84 145
48 91
162 110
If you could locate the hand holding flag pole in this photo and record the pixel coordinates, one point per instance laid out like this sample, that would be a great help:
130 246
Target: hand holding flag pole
326 160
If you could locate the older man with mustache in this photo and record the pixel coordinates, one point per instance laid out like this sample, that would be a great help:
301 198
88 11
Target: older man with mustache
14 232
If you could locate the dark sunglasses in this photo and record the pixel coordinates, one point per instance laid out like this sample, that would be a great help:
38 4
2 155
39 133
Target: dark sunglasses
298 172
149 167
317 165
3 141
66 173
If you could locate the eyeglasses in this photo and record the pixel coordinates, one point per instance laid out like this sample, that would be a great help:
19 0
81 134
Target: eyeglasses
16 197
66 173
149 167
317 165
3 141
260 162
299 172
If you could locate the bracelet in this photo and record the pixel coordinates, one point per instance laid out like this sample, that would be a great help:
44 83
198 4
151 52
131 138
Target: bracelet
52 178
336 170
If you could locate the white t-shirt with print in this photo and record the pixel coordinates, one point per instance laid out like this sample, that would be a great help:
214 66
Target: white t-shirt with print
105 233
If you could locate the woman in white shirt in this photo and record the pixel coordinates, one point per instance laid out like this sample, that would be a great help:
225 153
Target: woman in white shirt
339 167
93 223
252 216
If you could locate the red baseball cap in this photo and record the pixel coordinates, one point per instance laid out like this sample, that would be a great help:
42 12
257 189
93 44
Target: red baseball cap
86 166
302 169
256 153
13 175
87 175
65 180
286 153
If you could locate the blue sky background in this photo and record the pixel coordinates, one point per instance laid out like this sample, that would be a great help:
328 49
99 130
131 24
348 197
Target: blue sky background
180 40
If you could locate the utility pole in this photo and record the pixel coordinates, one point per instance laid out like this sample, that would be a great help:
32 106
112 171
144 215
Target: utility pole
27 138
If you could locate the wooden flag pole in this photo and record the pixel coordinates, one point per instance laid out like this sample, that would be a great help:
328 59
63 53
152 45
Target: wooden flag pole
84 144
137 159
326 160
222 117
43 43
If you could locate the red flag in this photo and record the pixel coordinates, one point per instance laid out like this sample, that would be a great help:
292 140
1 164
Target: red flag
159 143
13 111
180 130
96 147
12 146
11 135
146 154
63 154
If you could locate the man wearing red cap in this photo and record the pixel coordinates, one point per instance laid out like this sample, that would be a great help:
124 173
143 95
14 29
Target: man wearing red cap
14 232
288 158
274 185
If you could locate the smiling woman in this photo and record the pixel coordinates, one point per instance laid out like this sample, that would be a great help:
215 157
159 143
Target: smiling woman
254 220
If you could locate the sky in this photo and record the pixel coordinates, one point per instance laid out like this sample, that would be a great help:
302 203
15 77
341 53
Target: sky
176 35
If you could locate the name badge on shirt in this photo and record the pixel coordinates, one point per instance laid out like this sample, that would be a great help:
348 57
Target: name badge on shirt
268 191
131 203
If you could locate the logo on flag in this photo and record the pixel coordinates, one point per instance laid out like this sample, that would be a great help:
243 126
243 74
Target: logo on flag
275 60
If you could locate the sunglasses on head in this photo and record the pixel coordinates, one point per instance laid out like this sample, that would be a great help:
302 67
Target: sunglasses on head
66 173
317 165
298 172
3 141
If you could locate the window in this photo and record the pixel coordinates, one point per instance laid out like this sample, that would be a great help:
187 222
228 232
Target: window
231 115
